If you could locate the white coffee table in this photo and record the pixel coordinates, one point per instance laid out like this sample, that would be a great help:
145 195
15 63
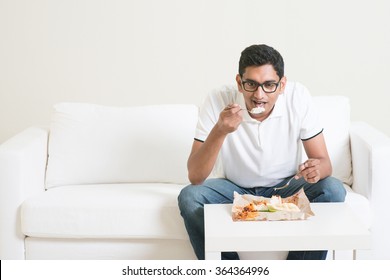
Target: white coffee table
334 227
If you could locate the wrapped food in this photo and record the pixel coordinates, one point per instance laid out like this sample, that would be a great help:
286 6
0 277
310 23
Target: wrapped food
257 208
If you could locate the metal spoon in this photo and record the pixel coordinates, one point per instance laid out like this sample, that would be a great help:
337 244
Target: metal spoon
284 186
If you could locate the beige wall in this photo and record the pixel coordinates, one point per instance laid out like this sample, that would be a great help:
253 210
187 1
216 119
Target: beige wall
123 52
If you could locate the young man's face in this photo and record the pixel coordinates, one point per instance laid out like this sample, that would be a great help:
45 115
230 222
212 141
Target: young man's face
267 76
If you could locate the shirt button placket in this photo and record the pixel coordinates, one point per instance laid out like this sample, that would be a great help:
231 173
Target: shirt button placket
259 135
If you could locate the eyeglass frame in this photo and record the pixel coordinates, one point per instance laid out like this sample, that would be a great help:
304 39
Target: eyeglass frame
243 82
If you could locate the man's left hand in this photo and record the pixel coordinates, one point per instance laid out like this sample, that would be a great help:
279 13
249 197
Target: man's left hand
310 171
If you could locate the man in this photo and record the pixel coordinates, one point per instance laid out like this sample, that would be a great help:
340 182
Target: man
256 132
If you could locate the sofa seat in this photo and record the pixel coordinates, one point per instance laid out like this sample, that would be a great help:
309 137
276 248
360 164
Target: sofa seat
93 222
107 249
102 211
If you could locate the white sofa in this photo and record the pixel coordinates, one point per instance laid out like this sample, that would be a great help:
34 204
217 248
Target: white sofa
102 182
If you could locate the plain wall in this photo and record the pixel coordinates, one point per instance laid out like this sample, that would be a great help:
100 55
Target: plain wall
125 53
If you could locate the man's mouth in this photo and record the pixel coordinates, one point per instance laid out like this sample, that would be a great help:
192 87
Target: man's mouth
257 104
258 107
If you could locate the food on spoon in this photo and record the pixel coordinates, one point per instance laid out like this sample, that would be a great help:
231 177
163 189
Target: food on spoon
257 110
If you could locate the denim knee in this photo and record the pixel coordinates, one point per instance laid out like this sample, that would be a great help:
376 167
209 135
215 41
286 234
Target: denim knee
189 198
332 190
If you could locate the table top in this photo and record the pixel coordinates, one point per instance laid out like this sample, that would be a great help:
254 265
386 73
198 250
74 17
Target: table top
334 227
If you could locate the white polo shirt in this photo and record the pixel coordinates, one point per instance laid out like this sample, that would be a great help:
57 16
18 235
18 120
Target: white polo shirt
262 153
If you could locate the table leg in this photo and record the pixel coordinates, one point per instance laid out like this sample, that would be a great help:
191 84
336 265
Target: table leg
212 255
354 255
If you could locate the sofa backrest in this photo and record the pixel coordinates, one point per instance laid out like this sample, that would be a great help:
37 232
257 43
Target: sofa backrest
334 114
92 144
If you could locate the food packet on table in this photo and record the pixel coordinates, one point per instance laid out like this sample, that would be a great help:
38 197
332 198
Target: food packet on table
257 208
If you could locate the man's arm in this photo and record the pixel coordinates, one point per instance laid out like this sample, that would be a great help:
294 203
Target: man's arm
204 154
318 165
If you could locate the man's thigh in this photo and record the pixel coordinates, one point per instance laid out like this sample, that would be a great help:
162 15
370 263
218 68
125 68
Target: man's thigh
329 189
216 190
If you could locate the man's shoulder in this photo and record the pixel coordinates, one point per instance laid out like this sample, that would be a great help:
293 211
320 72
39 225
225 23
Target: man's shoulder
225 94
225 90
297 97
296 89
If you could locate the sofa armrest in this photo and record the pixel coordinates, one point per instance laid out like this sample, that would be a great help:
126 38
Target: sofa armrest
370 150
22 174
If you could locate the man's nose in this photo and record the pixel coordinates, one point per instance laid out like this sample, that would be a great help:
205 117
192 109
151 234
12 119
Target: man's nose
259 93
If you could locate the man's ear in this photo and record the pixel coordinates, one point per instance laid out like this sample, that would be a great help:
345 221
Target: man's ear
283 82
238 80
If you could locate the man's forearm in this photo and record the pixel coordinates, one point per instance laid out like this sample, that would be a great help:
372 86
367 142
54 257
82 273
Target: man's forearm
201 161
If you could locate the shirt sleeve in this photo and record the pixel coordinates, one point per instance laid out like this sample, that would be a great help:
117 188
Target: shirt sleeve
209 112
310 123
206 120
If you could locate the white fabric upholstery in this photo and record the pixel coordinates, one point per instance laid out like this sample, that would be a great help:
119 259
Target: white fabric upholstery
22 172
334 113
105 211
371 160
92 144
107 249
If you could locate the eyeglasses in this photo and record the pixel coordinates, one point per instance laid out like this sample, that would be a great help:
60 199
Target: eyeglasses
267 87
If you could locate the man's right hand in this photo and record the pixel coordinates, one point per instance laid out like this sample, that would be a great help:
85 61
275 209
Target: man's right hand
229 119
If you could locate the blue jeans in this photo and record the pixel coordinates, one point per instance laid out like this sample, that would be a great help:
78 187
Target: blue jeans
219 191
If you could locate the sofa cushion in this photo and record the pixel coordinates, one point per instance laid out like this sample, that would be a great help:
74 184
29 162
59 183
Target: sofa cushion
120 211
147 211
107 249
334 114
91 144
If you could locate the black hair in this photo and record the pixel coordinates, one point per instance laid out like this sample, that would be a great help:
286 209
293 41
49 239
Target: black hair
258 55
